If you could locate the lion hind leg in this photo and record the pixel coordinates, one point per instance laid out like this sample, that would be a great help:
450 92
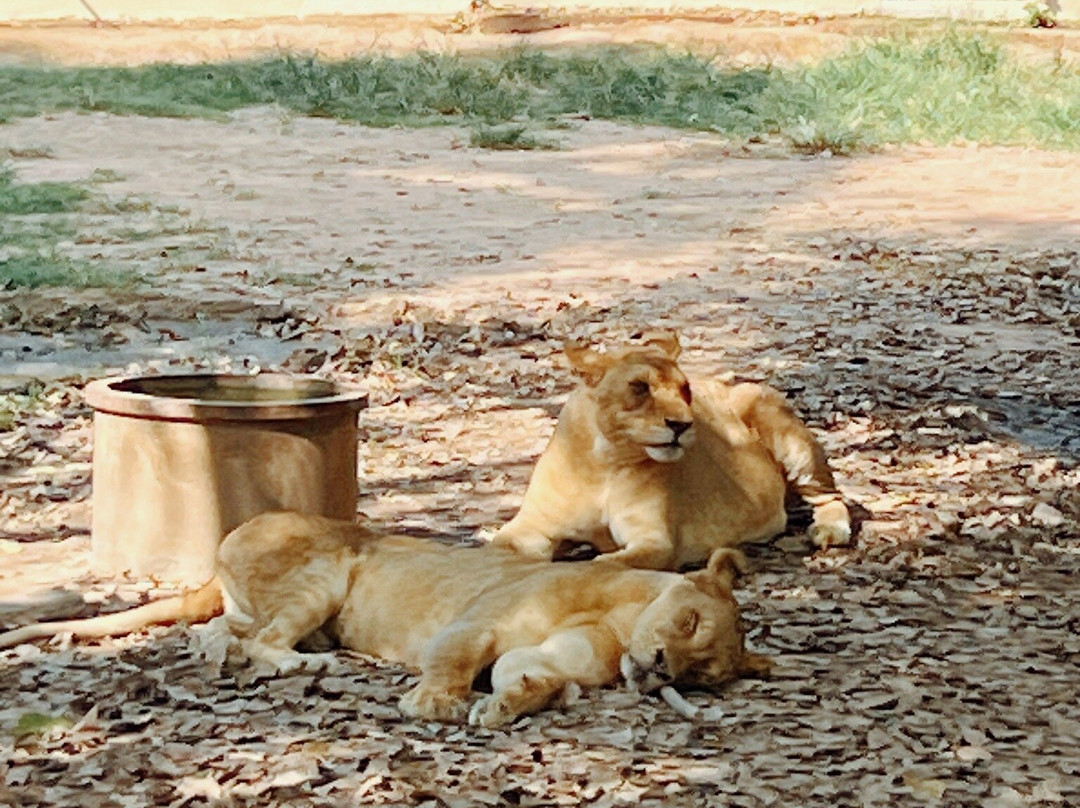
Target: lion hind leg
800 455
272 612
238 621
527 679
296 617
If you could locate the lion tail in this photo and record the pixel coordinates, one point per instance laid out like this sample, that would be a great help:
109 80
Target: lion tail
194 606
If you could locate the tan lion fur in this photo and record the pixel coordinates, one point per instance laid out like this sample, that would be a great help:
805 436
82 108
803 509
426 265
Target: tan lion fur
660 471
453 611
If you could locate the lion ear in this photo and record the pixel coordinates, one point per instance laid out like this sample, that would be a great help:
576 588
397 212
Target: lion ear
588 363
666 341
718 577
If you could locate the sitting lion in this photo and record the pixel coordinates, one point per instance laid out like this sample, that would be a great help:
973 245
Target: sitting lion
660 476
454 611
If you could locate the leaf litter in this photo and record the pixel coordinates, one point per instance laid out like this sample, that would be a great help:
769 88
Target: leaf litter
935 662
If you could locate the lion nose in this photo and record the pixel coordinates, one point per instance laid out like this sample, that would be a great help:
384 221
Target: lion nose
677 427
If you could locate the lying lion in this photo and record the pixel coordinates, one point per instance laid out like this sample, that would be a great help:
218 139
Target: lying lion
454 611
660 473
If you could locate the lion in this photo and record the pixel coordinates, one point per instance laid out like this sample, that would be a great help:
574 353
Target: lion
656 471
453 612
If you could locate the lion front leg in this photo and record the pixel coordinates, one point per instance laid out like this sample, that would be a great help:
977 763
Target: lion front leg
527 679
525 540
639 529
646 552
451 661
793 445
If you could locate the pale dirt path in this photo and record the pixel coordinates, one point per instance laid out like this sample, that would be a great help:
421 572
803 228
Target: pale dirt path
735 37
922 308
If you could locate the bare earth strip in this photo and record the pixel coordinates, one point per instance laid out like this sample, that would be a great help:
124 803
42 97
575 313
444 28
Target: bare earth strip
920 306
736 37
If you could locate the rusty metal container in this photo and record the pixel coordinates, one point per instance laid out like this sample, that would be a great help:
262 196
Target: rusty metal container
179 461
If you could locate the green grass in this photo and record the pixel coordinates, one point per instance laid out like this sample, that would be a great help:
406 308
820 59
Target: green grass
34 219
39 266
23 199
1040 15
950 86
40 724
16 404
509 137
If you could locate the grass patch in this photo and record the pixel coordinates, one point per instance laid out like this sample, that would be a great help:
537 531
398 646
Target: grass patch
34 219
37 266
950 86
31 153
22 199
16 405
1040 15
40 724
509 137
300 279
100 175
424 89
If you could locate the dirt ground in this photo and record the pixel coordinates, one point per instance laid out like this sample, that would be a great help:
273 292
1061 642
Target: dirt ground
921 308
736 37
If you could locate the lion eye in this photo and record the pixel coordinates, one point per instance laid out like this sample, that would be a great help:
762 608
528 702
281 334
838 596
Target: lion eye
690 622
639 388
684 391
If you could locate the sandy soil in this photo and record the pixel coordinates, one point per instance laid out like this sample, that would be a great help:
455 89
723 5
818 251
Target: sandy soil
735 37
921 307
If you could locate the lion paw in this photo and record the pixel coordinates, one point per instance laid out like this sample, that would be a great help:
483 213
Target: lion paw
832 526
529 545
491 712
215 643
322 662
286 662
424 702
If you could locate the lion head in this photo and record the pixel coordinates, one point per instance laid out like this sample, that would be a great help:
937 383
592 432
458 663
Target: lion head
691 634
641 397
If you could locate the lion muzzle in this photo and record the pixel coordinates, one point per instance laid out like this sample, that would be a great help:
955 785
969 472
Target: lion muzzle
682 435
645 678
